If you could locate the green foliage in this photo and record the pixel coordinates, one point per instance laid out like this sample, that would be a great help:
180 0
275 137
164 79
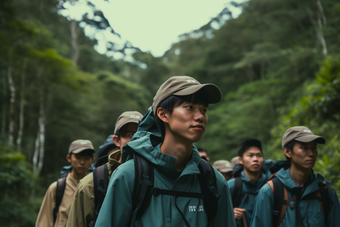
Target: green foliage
16 185
317 108
264 62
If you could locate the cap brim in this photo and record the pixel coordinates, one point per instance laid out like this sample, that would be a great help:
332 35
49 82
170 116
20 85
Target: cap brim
77 151
118 127
225 170
310 138
211 90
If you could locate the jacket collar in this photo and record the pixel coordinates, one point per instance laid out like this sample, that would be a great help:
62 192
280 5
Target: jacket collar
255 187
311 184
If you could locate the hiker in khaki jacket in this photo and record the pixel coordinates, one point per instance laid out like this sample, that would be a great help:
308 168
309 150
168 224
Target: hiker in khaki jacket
82 212
80 155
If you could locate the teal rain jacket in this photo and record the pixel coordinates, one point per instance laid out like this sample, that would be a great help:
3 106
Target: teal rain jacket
310 210
250 191
117 206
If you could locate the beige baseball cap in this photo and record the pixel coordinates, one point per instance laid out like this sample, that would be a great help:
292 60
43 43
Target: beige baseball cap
80 145
301 134
184 85
223 166
127 117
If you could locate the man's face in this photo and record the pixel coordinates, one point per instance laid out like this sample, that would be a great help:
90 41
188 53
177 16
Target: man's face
204 155
80 163
304 154
252 159
126 138
187 122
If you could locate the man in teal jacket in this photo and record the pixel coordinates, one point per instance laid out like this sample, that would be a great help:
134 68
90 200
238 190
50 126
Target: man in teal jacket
299 145
252 180
179 108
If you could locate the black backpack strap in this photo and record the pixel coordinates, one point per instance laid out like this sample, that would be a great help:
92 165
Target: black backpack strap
143 184
237 193
278 191
143 189
208 185
325 199
100 184
61 184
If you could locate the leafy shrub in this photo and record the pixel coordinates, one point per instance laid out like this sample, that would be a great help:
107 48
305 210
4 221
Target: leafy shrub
16 186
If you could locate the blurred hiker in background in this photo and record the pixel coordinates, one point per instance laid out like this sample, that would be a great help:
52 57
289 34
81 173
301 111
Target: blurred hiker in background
224 167
55 207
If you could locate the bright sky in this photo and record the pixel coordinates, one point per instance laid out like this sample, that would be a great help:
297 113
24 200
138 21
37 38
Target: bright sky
154 25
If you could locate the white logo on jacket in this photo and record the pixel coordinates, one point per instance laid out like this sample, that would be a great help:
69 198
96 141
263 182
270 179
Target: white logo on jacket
194 208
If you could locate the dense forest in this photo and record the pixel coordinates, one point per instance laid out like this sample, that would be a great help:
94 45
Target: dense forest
277 65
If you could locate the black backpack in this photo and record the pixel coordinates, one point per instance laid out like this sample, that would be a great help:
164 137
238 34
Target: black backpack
100 183
238 188
281 200
61 184
144 189
238 193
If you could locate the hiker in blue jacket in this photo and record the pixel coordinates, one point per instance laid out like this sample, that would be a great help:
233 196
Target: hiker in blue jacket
296 196
179 111
244 188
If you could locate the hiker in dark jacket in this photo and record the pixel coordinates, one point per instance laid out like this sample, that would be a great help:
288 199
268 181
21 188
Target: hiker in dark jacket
180 108
244 188
310 199
82 212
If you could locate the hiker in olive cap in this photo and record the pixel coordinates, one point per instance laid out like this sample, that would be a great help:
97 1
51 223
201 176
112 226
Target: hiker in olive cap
296 196
224 167
91 190
245 187
54 213
160 182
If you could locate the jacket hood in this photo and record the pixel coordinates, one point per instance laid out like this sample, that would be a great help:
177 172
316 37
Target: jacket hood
147 141
254 187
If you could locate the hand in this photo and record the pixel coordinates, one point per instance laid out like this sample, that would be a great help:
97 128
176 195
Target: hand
238 213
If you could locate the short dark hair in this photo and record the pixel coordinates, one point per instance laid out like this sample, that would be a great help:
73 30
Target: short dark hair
201 149
173 101
122 131
290 146
246 144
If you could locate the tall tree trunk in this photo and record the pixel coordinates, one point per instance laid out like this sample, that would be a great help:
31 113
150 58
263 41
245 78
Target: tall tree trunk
321 36
22 103
74 41
36 154
319 23
42 135
4 107
39 150
11 107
